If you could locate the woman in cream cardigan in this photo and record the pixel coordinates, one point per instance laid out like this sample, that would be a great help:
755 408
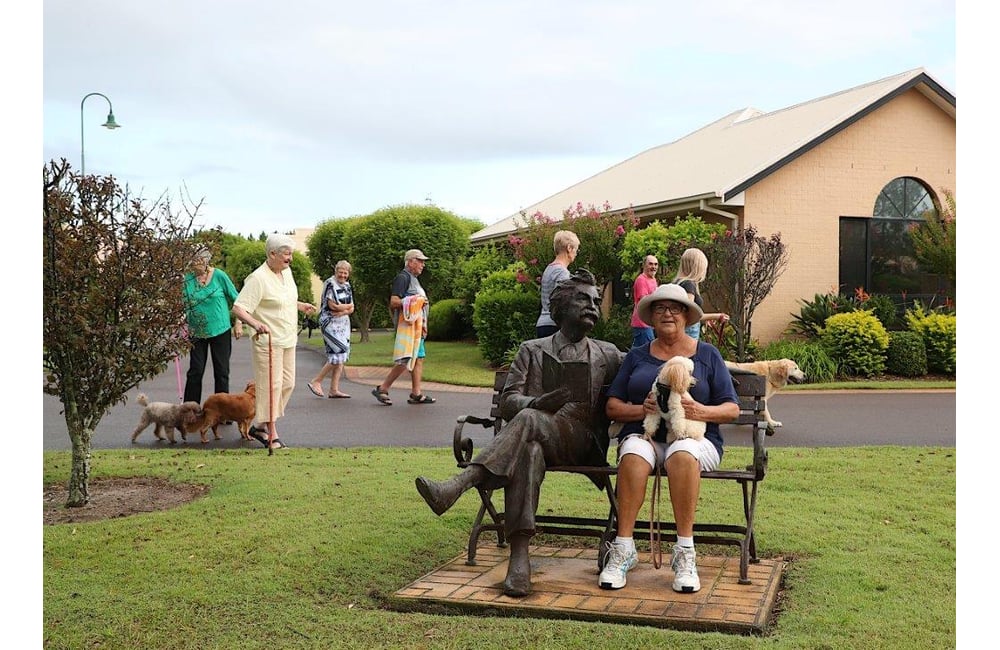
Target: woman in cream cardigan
269 304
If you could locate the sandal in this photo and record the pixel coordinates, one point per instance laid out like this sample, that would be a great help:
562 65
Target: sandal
314 391
258 434
420 399
382 396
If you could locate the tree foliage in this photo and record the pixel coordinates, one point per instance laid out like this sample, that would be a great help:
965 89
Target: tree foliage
112 299
601 232
667 243
742 270
245 257
935 240
375 245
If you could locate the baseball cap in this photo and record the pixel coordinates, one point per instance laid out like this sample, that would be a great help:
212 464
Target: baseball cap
414 253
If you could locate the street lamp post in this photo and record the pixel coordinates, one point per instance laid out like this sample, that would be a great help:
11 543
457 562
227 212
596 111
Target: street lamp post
109 124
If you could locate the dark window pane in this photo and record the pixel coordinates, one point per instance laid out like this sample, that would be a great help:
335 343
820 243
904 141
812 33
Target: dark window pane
853 254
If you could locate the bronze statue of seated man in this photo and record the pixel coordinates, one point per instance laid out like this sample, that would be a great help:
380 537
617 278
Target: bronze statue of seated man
554 415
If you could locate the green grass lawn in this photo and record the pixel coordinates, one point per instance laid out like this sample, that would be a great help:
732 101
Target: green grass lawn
305 548
461 363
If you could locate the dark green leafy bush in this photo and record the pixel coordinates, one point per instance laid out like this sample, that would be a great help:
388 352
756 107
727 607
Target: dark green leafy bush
938 332
884 309
906 356
444 321
857 341
503 319
616 328
813 314
811 357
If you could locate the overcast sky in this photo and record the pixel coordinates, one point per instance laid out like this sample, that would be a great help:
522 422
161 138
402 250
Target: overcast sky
283 114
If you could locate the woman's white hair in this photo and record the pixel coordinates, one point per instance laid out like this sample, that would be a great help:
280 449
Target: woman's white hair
203 254
277 241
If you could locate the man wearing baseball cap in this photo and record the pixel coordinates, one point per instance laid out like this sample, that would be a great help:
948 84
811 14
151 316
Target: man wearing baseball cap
405 286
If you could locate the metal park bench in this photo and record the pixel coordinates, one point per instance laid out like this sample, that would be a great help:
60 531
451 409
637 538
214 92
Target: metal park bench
750 390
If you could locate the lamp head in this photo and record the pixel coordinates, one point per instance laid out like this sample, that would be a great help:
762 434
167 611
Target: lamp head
111 124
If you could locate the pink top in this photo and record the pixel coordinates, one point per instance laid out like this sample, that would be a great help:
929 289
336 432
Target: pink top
643 286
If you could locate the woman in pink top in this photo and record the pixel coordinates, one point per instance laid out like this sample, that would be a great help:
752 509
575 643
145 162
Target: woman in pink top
644 285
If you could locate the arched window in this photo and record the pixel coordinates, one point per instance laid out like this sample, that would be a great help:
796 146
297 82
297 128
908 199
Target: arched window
876 253
904 198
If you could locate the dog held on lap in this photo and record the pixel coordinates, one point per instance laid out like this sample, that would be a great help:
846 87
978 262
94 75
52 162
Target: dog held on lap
167 416
221 407
672 384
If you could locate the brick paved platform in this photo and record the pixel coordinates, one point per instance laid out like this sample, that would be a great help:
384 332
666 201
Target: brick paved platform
564 585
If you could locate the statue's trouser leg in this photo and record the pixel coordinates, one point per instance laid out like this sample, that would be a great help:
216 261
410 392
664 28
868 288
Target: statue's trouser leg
520 505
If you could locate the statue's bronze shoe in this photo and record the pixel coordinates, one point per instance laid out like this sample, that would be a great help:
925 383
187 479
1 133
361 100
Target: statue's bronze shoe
439 495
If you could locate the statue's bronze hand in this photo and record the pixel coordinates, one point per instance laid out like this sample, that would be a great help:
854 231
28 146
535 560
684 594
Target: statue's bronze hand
553 400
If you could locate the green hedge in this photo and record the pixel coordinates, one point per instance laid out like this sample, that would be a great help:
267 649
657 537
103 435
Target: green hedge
444 321
906 355
503 319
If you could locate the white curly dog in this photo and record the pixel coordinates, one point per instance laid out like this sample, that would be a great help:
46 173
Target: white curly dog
671 384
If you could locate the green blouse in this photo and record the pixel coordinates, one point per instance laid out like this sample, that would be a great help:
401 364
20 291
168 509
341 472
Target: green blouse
209 306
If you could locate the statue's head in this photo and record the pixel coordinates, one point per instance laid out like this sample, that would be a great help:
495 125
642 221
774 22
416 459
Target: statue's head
575 304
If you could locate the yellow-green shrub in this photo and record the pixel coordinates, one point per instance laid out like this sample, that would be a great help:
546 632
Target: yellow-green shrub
857 341
938 332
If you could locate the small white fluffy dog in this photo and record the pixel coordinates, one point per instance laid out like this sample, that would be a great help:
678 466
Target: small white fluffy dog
166 416
676 376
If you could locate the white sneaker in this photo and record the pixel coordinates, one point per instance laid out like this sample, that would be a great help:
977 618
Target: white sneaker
617 561
685 572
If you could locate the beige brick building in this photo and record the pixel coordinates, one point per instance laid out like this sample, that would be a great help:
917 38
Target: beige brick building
822 173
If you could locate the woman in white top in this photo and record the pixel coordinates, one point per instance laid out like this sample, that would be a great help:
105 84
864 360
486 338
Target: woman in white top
566 245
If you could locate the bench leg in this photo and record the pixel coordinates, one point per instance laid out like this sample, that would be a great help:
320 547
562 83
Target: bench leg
748 549
611 529
486 496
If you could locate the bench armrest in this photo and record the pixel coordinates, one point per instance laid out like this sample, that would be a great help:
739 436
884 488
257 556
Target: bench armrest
461 445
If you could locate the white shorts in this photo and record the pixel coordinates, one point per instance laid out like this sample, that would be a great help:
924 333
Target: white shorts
703 450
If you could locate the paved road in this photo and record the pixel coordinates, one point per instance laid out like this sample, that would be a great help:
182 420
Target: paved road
811 419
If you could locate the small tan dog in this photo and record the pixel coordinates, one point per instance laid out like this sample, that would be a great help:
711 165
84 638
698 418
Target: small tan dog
167 416
671 384
239 407
778 373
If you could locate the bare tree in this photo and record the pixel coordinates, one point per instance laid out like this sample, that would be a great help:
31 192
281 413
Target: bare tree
742 271
113 305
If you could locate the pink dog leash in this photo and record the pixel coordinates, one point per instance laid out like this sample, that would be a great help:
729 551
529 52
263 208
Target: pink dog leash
177 367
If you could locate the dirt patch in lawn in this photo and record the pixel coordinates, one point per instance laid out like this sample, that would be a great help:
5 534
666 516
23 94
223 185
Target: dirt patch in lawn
117 497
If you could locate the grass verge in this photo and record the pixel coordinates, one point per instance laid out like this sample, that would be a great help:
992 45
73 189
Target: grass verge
301 550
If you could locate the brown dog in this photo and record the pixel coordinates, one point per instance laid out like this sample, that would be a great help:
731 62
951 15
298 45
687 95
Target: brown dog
778 373
220 407
167 417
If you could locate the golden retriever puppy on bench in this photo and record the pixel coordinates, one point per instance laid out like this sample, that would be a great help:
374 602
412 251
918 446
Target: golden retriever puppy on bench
672 383
778 373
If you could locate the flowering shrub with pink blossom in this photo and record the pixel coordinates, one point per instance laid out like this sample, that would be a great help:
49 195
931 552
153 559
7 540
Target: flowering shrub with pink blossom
601 231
